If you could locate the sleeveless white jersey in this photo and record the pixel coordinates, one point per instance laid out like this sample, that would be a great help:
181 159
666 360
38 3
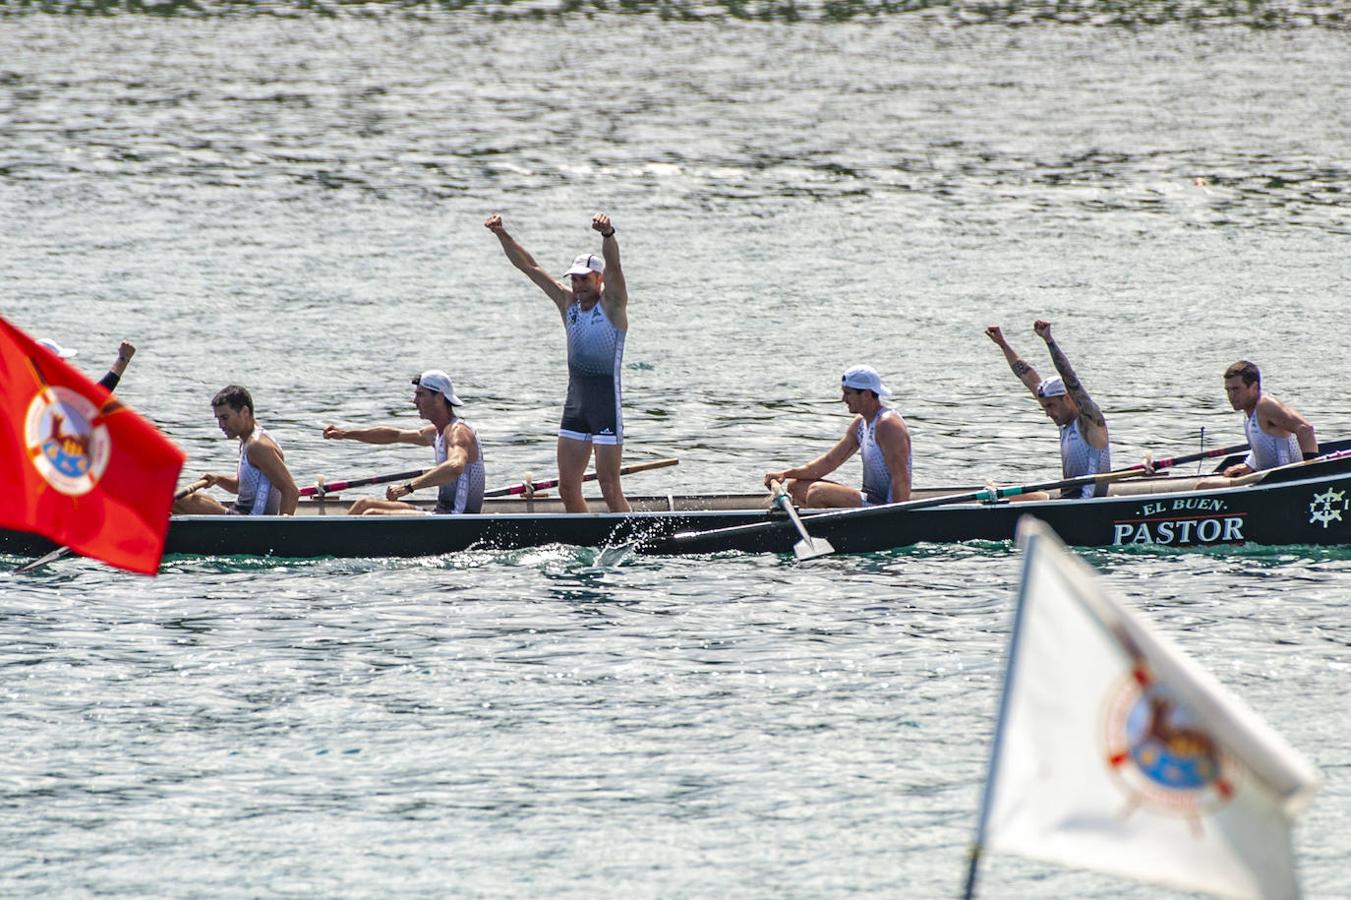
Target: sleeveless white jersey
1268 451
1079 458
877 486
256 494
595 345
465 493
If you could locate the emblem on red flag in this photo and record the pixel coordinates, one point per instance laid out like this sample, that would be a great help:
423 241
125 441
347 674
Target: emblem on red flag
67 440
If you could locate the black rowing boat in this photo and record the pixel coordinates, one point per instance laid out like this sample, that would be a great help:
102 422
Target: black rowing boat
1306 503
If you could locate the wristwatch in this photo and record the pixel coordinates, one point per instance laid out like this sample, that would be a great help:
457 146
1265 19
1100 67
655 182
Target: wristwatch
408 487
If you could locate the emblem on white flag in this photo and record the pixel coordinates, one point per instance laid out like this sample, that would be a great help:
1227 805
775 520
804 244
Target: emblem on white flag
1116 752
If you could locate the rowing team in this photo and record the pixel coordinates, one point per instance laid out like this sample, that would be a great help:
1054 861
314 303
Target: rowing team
592 302
1277 435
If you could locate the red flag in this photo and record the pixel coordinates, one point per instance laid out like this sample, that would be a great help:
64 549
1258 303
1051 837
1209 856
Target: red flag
77 466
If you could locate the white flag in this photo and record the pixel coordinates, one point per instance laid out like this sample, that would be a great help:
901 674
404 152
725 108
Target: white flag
1116 752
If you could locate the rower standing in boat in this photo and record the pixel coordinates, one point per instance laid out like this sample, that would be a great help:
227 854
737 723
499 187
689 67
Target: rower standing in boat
262 482
594 307
877 431
1277 435
458 474
1084 446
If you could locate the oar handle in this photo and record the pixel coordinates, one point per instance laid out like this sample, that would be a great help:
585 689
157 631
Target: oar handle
192 488
332 486
589 476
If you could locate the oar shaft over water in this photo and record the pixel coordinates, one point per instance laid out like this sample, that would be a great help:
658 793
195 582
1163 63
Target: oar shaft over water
589 476
333 487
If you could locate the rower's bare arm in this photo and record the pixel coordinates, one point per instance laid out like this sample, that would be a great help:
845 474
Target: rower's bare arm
1275 415
124 354
616 296
519 257
267 458
444 473
894 439
1026 374
1093 421
227 483
824 464
382 434
459 451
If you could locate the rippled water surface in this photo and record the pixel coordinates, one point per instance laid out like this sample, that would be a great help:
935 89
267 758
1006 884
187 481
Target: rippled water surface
291 196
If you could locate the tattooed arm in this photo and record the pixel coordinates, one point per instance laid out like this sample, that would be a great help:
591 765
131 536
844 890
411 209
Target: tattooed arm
1026 374
1091 420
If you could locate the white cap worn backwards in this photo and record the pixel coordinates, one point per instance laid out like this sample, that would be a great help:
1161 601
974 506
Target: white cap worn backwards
1052 387
864 378
438 382
63 352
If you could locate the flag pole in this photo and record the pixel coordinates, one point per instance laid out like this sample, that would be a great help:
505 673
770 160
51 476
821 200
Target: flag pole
978 847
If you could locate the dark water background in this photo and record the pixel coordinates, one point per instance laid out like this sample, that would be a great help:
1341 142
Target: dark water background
290 195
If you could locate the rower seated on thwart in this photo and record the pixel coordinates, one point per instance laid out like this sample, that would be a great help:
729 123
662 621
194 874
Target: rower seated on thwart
876 431
458 474
1277 434
262 484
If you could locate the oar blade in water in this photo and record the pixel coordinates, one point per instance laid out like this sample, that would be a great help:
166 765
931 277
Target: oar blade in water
810 548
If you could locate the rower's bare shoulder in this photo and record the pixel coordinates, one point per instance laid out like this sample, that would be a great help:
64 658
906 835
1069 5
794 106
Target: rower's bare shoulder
263 448
893 424
1268 406
459 432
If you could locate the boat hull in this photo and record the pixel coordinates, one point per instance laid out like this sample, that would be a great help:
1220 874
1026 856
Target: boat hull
365 536
1306 504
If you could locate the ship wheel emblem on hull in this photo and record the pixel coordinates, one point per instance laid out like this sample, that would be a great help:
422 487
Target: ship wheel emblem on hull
1328 506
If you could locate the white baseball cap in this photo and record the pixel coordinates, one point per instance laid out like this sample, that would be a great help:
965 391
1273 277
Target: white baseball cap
1052 387
63 352
438 382
586 264
864 378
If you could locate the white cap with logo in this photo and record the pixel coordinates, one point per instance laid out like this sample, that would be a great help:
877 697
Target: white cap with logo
438 382
63 352
864 378
586 264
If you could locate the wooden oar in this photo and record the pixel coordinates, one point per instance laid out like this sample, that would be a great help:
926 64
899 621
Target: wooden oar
332 487
986 495
590 476
809 547
63 552
989 496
